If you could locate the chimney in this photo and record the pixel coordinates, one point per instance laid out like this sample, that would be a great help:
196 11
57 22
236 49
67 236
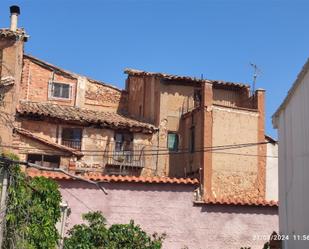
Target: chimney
15 11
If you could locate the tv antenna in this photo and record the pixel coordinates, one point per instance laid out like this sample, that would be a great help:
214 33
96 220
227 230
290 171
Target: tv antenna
256 72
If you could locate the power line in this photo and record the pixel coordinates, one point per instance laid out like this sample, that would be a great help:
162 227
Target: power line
217 147
141 152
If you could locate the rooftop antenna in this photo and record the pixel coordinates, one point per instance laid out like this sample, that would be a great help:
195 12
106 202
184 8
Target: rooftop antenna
255 74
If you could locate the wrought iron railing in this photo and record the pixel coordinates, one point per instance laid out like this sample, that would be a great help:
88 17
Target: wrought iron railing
72 143
133 157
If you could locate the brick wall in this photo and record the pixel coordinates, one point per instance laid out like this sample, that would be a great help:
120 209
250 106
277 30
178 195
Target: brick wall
34 85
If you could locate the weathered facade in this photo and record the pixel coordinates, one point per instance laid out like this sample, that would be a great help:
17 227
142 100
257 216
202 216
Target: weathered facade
159 125
202 116
166 205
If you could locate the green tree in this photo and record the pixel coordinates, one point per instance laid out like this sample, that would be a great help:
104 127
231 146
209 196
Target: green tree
119 236
33 209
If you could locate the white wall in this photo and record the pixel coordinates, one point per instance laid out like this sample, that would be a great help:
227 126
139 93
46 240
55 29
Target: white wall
272 172
293 128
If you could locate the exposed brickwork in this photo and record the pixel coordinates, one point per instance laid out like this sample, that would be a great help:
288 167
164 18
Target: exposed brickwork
35 79
101 95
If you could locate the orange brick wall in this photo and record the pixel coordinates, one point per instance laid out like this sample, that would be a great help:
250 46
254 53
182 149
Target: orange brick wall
34 85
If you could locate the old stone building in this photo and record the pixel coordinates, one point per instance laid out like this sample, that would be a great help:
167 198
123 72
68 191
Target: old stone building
159 125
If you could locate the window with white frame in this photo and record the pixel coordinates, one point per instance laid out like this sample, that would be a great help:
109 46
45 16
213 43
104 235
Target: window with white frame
60 90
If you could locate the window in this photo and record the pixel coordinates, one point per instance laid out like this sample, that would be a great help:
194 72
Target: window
123 141
52 161
192 140
72 137
60 90
172 141
123 154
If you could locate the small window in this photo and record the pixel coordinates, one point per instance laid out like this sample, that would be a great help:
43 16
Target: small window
72 137
172 141
52 161
60 90
192 140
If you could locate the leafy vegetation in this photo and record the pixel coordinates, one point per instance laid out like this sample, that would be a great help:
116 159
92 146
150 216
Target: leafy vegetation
96 235
33 209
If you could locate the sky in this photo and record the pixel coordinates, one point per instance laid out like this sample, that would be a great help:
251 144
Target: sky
216 38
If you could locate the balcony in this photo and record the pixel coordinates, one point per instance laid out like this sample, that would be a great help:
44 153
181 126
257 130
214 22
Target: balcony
134 157
72 143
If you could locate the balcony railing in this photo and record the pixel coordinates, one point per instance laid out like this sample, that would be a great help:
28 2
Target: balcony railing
72 143
132 158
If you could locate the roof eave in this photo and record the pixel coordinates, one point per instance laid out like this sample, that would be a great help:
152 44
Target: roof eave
286 100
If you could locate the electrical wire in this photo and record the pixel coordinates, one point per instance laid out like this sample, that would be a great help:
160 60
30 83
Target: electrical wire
155 151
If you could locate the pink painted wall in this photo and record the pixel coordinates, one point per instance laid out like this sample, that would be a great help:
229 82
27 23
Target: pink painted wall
169 208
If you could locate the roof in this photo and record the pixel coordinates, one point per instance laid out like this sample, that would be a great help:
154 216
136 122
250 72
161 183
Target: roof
298 80
241 202
135 72
113 178
47 142
83 116
65 72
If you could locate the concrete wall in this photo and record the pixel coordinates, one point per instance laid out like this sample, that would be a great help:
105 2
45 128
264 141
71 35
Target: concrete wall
234 174
272 172
293 133
169 208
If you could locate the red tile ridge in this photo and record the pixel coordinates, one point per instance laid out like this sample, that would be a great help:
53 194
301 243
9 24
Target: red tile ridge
241 201
114 178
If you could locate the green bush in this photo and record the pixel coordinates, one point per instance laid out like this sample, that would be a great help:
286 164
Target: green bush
96 235
33 209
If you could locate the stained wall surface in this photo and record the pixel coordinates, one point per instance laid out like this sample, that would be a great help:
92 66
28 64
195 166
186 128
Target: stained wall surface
235 172
169 208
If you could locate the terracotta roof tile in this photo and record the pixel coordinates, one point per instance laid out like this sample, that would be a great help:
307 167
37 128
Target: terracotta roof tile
47 142
113 178
242 202
84 116
135 72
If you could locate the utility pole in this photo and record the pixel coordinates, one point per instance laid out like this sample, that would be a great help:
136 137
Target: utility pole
3 200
